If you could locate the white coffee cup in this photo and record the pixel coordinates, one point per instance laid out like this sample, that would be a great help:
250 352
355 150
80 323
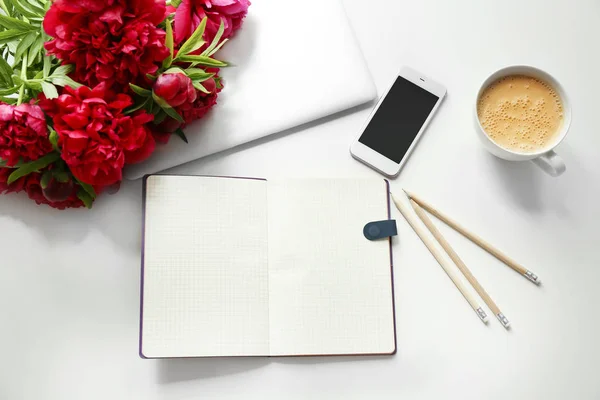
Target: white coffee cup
546 158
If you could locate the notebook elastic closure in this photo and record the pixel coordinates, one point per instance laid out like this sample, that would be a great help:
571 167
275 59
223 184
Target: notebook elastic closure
380 229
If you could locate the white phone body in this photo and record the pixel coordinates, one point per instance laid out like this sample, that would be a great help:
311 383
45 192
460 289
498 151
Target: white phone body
378 161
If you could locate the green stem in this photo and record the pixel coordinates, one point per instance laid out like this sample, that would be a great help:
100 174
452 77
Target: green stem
24 67
21 93
24 78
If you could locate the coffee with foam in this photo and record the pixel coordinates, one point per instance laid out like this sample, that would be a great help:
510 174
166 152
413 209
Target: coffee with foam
521 113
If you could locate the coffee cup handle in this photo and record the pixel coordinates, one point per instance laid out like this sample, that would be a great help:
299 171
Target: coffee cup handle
550 163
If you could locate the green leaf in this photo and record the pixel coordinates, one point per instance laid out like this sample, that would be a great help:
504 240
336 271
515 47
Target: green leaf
198 74
140 90
37 6
9 91
179 132
11 35
148 106
155 109
61 176
176 3
138 106
202 60
167 108
4 8
160 117
216 39
53 138
25 10
89 189
174 70
218 47
11 47
85 198
8 100
17 24
194 42
6 72
35 85
65 81
39 75
46 177
33 166
49 90
151 77
35 49
63 70
169 43
17 165
173 114
47 66
24 45
201 88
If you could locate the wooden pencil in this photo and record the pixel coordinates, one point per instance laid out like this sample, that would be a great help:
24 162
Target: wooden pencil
422 234
477 240
460 264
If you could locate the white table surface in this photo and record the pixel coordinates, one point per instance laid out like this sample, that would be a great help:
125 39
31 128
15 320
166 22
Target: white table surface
69 281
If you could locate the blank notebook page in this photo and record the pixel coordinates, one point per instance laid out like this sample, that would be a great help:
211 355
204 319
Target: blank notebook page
205 278
330 289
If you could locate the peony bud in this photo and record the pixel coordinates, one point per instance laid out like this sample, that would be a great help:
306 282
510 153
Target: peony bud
176 89
210 85
58 191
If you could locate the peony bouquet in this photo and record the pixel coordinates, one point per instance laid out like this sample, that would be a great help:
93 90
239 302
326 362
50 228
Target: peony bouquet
89 86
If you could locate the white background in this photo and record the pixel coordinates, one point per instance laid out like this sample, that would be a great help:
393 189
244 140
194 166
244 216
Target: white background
69 281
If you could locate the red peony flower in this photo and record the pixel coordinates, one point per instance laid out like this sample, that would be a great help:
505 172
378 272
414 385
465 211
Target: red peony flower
162 132
112 41
190 13
14 187
176 89
204 102
95 137
34 191
23 133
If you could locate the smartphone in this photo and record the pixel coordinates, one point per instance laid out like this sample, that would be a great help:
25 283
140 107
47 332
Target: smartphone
397 122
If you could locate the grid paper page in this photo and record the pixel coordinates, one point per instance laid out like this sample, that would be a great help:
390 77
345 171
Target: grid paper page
205 270
330 289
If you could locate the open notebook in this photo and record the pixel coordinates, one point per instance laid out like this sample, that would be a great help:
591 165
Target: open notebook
249 267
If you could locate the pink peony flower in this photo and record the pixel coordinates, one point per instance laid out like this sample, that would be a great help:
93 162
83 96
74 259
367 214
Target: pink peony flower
190 13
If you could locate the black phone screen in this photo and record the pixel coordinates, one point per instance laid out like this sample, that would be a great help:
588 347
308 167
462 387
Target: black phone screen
398 119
